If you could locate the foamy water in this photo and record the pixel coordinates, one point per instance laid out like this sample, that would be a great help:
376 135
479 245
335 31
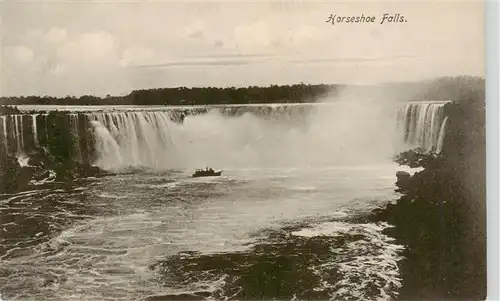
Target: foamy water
368 262
280 223
106 237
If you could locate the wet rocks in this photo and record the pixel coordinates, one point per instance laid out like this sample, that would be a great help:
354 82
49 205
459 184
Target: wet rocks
403 181
441 215
40 166
72 170
41 175
9 173
415 158
440 220
40 157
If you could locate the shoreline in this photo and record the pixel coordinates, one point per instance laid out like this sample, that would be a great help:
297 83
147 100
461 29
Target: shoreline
37 169
444 256
440 217
442 225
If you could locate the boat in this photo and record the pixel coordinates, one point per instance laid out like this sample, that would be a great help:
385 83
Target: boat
207 172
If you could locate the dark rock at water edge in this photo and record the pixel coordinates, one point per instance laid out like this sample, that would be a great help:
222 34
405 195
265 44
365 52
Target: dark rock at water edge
70 170
16 178
414 158
9 173
403 181
440 218
41 157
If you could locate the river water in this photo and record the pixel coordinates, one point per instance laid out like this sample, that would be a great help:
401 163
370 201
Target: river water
254 233
285 221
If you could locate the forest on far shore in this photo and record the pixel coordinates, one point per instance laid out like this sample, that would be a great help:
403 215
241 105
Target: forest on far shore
444 88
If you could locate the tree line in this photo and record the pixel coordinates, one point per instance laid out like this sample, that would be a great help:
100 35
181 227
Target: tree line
456 88
299 93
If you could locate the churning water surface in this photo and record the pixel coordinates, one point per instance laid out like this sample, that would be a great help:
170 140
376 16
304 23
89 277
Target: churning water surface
283 222
251 234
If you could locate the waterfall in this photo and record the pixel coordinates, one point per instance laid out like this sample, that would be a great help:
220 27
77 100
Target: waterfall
442 133
106 147
5 137
133 138
423 125
34 130
18 132
76 141
176 136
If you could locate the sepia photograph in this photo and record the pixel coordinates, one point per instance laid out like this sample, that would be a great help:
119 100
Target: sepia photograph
261 150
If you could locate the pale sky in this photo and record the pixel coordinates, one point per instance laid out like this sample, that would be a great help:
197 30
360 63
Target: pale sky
113 47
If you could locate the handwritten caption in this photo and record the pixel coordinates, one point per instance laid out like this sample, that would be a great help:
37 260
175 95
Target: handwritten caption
384 19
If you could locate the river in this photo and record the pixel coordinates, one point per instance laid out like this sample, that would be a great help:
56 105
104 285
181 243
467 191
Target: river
286 220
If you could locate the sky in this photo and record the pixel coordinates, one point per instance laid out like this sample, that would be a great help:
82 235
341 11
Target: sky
71 47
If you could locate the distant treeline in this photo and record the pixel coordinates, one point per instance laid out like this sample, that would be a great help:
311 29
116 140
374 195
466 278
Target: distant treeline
457 88
190 96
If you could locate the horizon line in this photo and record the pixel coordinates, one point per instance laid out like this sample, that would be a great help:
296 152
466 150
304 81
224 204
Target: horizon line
109 95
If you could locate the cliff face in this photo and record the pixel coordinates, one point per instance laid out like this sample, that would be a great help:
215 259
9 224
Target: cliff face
441 216
48 155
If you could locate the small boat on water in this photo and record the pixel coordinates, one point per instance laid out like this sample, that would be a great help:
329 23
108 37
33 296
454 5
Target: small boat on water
207 172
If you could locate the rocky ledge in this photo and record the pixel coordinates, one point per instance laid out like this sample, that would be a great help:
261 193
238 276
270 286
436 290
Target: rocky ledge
416 157
39 167
440 219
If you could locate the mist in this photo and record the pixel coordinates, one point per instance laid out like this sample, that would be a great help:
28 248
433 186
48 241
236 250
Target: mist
351 128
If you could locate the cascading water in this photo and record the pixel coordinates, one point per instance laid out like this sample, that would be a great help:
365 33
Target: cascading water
18 121
248 137
165 235
4 130
132 139
291 134
442 133
423 125
106 146
35 132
